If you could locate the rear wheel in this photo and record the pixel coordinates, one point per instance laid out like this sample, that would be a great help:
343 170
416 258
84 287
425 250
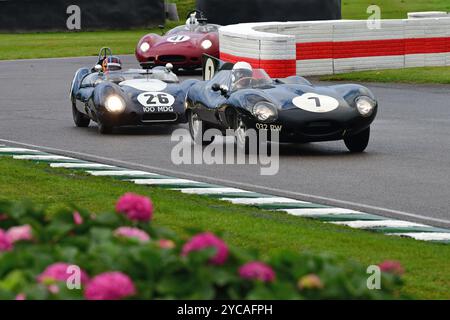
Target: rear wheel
197 128
81 120
358 142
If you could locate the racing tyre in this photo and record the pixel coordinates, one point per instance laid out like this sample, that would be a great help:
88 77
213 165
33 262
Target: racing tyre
104 129
358 143
81 120
197 128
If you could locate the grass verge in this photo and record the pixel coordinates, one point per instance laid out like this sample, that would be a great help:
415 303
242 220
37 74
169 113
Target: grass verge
436 75
426 264
391 9
71 44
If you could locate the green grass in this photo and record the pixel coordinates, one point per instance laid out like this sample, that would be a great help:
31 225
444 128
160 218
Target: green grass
391 9
426 264
70 44
436 75
184 7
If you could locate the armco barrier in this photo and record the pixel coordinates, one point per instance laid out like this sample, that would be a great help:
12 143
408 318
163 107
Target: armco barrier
336 46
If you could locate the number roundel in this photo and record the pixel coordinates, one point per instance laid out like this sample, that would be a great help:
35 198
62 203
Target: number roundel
156 99
313 102
178 39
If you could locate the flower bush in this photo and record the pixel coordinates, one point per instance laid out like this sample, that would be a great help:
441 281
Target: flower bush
123 255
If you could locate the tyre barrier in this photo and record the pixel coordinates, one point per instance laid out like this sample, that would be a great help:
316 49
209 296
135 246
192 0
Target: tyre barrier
337 46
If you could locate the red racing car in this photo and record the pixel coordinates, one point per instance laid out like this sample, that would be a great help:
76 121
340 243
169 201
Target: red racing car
182 46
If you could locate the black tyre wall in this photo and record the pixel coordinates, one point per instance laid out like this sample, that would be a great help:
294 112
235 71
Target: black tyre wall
49 15
237 11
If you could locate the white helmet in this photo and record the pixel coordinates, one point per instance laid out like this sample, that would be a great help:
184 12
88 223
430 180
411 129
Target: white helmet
242 74
242 65
192 21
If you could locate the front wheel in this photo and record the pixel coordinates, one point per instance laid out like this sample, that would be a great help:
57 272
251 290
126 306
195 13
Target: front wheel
358 142
251 142
197 128
81 120
104 129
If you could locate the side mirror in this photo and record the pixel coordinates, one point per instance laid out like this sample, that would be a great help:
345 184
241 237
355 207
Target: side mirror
215 87
98 68
169 67
222 88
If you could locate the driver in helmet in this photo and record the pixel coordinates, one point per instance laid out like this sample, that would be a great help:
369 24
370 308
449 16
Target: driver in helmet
242 75
192 22
111 64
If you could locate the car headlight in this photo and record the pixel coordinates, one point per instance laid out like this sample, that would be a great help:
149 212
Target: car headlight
265 111
206 44
365 106
114 104
145 47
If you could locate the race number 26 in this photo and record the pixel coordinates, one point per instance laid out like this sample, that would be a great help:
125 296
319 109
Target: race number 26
156 99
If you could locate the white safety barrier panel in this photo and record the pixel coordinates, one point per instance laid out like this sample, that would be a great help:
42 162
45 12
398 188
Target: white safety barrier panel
326 47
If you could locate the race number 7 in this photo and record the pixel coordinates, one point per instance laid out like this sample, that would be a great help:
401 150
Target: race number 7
318 105
209 70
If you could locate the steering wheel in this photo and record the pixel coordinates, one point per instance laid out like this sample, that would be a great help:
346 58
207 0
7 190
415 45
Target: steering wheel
236 84
199 13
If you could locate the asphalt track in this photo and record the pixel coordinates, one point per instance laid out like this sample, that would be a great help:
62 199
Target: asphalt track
405 172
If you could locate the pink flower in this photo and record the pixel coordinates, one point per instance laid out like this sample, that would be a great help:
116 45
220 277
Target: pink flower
208 240
310 281
110 286
166 244
135 233
53 288
5 242
21 297
77 218
135 207
60 271
21 233
393 267
257 271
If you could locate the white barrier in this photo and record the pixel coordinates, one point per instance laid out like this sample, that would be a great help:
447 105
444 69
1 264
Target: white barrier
327 47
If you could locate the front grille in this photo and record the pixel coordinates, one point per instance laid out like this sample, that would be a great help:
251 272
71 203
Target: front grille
172 58
321 128
160 117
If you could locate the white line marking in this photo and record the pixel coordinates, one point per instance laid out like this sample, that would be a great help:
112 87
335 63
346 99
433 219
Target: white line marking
81 166
308 197
250 201
320 212
124 173
212 191
379 224
37 157
18 150
425 236
152 182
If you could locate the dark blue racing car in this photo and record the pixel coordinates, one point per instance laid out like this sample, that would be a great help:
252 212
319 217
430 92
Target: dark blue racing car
239 97
113 97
